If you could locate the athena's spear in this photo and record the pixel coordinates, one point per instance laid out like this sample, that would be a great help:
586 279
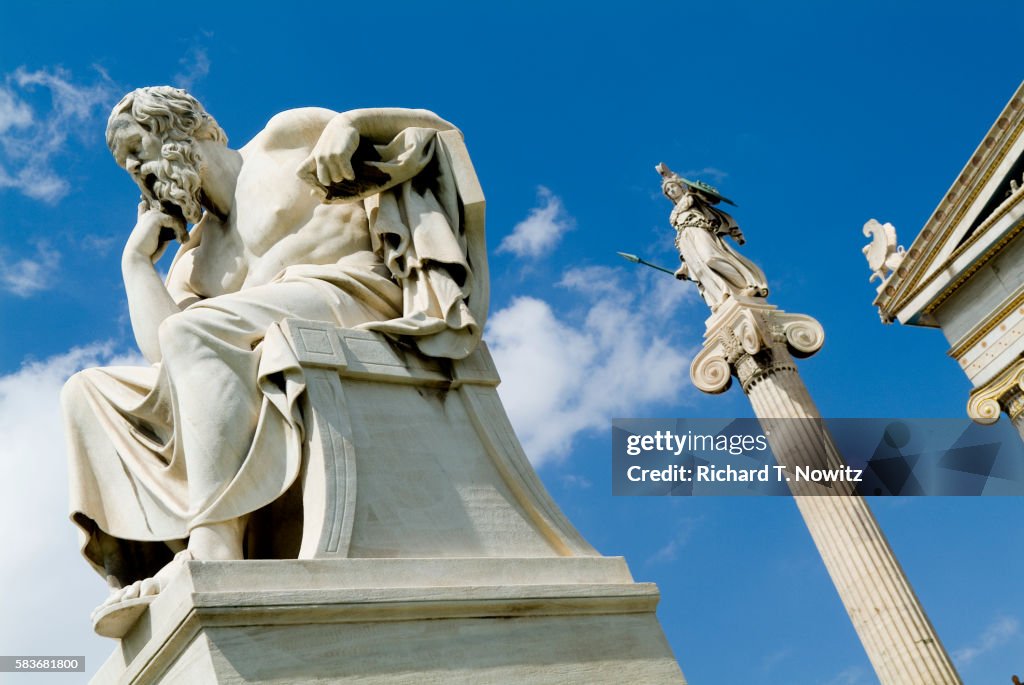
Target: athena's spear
636 260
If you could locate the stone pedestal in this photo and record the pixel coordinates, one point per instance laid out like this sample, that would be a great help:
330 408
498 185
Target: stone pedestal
757 342
428 550
395 621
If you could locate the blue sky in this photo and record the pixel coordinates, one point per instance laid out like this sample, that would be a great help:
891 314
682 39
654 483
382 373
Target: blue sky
812 118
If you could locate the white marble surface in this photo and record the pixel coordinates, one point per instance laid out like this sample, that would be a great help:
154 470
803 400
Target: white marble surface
399 621
702 227
317 217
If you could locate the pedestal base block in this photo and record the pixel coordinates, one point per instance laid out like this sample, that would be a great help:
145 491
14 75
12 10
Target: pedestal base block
554 620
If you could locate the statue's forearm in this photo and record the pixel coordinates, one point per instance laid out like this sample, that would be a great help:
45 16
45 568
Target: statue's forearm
329 166
381 124
149 304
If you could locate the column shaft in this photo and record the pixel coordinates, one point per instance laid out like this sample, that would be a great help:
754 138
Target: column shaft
899 639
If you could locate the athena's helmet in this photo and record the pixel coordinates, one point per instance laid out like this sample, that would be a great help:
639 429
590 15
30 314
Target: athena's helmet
706 191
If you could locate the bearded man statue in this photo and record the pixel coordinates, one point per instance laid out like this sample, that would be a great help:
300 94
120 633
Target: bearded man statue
349 218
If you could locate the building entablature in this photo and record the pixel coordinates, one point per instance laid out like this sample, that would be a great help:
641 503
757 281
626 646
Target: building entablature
980 214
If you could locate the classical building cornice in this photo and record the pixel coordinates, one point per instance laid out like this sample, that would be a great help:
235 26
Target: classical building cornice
959 238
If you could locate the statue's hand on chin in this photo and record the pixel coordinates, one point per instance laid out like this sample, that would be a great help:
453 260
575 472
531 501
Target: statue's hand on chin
147 239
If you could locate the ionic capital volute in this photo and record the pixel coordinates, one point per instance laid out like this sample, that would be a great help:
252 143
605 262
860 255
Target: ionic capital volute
803 334
989 400
744 327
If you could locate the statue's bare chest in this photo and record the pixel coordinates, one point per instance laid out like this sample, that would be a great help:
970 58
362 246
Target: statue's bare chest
275 223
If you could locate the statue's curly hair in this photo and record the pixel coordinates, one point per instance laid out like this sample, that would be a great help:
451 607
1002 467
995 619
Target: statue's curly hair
170 113
178 120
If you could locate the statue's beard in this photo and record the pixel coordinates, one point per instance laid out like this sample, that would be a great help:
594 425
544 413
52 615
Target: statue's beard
175 180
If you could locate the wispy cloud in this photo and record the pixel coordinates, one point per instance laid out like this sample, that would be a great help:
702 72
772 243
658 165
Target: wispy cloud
541 230
33 501
571 480
13 112
996 634
564 373
854 675
685 528
28 275
33 133
195 66
717 175
774 658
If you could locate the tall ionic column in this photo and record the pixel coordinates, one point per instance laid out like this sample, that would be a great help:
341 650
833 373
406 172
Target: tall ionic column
748 338
756 342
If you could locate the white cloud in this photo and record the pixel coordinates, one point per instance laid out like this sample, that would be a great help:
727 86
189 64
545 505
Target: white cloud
195 66
685 529
541 230
31 137
593 279
46 589
13 112
996 634
28 275
565 374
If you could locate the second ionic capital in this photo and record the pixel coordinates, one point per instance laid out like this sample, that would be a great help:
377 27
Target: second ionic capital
1002 393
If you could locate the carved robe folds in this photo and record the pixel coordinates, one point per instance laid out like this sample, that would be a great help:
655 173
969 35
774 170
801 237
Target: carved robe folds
215 431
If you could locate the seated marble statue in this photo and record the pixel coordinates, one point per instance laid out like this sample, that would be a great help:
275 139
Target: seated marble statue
347 218
707 259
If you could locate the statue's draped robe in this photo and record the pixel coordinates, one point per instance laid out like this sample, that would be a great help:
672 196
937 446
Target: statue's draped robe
137 433
718 269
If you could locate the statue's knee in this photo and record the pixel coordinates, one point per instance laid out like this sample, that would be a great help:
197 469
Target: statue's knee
74 392
179 334
71 391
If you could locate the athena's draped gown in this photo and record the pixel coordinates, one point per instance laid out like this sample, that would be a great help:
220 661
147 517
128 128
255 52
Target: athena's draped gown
718 269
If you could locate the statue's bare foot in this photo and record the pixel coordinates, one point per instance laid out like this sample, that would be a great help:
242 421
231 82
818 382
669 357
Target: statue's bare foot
123 607
220 541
